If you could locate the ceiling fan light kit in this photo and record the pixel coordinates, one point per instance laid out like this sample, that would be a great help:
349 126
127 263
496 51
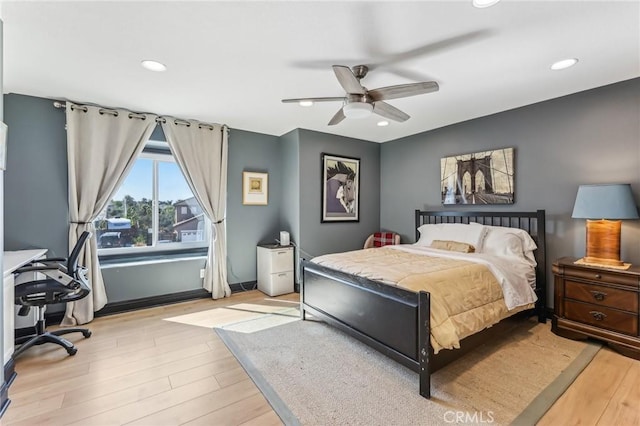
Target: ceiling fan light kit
359 102
357 110
484 3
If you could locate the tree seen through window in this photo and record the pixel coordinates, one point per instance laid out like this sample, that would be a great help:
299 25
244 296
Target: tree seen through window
154 207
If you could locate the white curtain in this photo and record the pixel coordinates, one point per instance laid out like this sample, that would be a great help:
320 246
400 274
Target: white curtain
201 152
102 145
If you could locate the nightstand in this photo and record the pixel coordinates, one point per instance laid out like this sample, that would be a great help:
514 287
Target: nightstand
275 269
597 302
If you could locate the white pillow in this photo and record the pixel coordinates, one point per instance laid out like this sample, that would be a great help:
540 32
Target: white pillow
506 245
500 241
460 232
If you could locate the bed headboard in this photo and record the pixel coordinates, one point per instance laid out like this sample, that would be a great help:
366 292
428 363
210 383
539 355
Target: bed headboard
532 222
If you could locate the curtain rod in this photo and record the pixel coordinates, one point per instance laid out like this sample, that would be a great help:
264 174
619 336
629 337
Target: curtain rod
160 119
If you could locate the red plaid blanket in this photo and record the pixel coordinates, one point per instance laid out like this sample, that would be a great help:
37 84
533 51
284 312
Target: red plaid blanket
383 239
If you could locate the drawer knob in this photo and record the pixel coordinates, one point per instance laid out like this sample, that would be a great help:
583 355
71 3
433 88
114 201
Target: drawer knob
599 316
598 295
598 276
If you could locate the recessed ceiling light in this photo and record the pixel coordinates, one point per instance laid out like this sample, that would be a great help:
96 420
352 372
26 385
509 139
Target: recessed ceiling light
154 66
383 123
565 63
306 103
484 3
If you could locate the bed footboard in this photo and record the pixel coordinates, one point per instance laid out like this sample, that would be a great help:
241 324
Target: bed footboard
373 313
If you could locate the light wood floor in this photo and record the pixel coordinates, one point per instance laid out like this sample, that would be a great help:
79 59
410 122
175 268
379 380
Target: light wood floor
139 368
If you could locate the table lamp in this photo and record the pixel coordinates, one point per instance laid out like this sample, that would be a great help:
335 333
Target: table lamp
604 206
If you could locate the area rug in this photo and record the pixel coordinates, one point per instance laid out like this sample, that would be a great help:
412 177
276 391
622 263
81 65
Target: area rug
313 374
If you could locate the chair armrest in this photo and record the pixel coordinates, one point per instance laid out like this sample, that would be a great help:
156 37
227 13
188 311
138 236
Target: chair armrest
58 273
53 259
52 262
35 269
369 242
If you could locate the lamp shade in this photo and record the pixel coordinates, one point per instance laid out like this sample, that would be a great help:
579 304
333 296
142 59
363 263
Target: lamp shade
606 201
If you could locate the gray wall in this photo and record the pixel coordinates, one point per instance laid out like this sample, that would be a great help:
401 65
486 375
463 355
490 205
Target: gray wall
37 210
318 238
290 206
135 281
589 137
249 225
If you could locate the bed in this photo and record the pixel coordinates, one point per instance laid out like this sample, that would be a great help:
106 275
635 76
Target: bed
397 321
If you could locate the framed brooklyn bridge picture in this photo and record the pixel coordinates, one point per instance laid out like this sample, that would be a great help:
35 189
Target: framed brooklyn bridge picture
484 177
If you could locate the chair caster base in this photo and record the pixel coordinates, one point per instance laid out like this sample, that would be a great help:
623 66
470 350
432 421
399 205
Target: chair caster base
52 337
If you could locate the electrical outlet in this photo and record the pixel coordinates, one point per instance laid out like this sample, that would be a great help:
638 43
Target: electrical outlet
201 273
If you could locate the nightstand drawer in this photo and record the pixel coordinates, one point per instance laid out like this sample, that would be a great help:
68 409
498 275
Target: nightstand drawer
602 317
601 276
601 295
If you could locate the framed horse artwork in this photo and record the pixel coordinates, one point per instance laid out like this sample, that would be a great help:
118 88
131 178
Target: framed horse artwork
340 188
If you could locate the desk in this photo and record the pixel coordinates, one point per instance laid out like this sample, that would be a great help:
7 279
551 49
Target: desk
13 260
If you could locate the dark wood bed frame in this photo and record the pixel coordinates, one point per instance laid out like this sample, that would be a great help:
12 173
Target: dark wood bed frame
395 321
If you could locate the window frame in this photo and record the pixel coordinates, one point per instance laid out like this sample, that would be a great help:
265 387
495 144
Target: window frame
158 151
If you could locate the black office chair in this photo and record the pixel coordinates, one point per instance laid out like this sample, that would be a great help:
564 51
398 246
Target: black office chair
66 281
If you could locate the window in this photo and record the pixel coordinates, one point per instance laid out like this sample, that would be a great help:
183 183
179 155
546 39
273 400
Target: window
154 209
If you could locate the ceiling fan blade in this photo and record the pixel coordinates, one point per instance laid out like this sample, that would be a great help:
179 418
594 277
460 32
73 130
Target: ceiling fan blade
328 99
337 118
390 112
407 74
403 90
443 44
347 80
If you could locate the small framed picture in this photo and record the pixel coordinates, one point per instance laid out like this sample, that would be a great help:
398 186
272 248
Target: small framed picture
255 188
3 146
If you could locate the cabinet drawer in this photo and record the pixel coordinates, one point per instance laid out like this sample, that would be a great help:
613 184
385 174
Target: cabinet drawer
601 295
272 260
599 276
276 284
601 316
281 260
283 279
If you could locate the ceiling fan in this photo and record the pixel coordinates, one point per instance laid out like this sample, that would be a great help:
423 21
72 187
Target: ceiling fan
360 102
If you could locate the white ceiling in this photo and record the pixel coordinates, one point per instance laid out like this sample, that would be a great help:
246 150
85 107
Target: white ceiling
232 62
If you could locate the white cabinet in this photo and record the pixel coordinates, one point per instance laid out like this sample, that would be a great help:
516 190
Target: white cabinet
275 269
